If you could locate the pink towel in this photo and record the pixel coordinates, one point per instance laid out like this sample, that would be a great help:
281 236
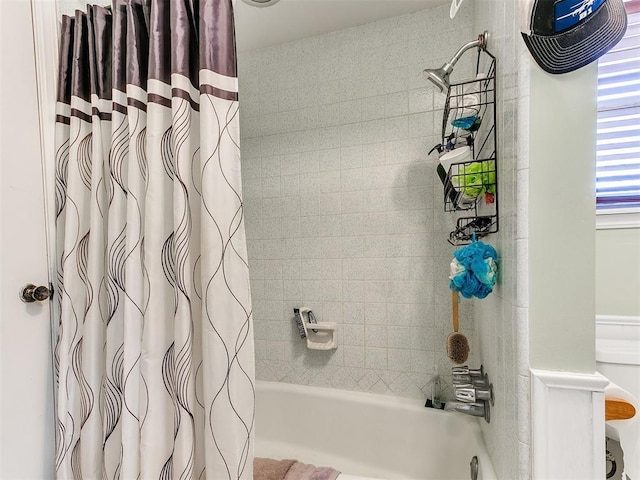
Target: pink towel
269 469
302 471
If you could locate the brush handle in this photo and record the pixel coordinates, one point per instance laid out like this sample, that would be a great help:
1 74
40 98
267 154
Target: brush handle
454 307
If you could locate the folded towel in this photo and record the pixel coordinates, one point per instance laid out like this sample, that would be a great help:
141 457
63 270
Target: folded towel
302 471
269 469
628 431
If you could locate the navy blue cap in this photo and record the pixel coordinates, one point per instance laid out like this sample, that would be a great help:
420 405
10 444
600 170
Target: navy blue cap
568 34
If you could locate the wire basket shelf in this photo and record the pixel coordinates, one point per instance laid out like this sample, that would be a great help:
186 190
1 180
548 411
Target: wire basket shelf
471 186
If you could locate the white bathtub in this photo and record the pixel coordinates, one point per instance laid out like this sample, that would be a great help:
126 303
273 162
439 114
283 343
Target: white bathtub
366 435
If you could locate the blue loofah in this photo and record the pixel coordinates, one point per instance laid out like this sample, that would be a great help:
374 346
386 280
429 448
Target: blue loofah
473 270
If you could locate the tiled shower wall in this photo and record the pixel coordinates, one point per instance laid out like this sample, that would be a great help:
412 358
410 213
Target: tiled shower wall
501 320
343 204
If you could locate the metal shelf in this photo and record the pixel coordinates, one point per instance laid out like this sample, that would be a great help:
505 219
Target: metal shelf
471 188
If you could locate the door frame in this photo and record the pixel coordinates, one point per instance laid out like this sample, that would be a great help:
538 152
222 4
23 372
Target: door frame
44 17
46 36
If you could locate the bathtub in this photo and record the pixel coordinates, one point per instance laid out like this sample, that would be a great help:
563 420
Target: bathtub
365 435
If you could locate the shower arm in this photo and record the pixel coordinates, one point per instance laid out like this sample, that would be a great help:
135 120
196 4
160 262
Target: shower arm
481 43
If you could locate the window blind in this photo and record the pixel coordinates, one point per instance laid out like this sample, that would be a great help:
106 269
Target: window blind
618 131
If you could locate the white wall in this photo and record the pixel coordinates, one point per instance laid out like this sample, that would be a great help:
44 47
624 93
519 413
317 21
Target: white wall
562 220
344 206
567 400
618 272
26 390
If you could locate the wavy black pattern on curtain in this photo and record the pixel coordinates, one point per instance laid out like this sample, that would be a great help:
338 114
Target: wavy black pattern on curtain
167 152
84 160
154 350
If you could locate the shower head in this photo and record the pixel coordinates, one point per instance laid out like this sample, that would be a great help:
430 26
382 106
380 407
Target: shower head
440 76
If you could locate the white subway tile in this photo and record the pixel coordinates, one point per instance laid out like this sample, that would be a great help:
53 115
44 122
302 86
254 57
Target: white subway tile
396 104
352 247
376 336
375 246
289 185
373 131
399 337
352 180
373 154
399 360
329 159
351 157
352 224
422 124
353 356
329 182
310 226
353 291
421 99
353 334
396 128
395 79
374 224
352 202
332 311
309 203
331 247
291 248
273 249
330 203
376 358
376 200
350 134
311 247
329 137
376 291
331 290
351 111
375 313
353 269
311 290
290 206
292 290
330 226
329 115
271 187
312 269
353 312
273 290
396 152
373 107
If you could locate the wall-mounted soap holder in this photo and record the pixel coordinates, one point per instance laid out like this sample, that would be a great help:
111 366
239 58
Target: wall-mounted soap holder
320 335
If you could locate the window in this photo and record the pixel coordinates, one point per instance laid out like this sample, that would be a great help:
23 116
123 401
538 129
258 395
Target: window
618 141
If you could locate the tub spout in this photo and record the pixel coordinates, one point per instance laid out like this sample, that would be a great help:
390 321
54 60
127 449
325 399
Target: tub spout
476 409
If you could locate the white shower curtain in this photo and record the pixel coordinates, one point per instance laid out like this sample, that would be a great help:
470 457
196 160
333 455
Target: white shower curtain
154 354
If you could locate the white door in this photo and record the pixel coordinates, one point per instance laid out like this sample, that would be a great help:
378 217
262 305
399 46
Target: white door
26 398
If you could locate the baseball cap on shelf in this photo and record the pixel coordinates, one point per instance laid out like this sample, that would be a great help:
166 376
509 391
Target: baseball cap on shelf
568 34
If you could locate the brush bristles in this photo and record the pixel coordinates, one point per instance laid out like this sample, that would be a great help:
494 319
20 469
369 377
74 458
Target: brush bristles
457 348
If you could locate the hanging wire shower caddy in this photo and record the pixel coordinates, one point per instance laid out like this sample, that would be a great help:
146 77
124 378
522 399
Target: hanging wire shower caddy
471 187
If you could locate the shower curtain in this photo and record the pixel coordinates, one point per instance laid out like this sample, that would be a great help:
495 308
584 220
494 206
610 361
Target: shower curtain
154 353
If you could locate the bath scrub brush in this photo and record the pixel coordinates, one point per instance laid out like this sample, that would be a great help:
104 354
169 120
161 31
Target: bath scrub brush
457 343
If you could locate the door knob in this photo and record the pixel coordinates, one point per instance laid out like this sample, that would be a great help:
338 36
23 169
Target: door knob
30 293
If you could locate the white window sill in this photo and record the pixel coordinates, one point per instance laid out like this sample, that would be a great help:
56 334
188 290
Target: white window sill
618 218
